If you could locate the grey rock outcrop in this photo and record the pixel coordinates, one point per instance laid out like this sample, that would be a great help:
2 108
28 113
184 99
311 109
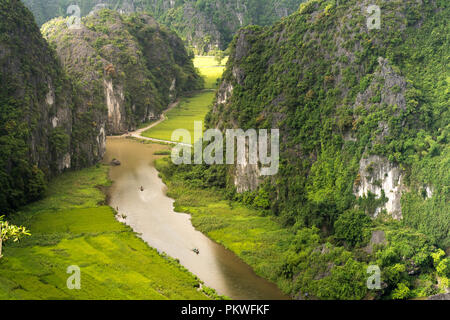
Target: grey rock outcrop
377 175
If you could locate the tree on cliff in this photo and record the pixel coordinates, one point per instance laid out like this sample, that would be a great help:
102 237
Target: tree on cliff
10 232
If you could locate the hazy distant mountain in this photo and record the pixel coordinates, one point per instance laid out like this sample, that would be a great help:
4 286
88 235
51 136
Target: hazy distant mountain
204 24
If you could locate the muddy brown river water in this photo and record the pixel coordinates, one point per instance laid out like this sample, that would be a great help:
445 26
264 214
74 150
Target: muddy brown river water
150 213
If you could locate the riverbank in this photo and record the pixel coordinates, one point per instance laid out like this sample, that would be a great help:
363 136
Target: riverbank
73 226
257 239
139 194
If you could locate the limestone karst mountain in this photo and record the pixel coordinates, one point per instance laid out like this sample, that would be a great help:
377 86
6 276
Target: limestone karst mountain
205 25
60 101
363 113
128 67
44 127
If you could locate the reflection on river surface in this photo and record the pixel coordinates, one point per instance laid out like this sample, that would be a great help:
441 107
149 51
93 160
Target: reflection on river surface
150 213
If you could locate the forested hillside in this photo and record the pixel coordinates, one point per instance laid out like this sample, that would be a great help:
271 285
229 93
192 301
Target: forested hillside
206 25
116 73
42 121
127 66
364 123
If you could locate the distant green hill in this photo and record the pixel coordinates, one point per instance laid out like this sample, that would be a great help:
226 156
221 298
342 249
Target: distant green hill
204 24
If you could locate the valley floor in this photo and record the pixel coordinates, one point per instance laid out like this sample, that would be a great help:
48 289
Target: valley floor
257 239
73 226
182 116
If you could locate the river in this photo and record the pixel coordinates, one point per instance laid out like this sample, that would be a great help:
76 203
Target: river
151 214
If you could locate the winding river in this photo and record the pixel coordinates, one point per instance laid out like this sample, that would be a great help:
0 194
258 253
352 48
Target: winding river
151 214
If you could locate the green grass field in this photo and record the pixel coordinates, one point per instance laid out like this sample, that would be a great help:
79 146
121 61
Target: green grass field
72 226
258 240
183 116
210 69
193 108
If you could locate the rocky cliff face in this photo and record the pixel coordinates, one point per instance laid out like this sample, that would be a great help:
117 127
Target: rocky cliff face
127 67
377 175
348 101
384 180
42 128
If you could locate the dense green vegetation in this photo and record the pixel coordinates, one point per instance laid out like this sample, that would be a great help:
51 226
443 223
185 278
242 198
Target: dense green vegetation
207 25
301 261
318 110
14 131
72 226
35 92
145 66
210 69
318 76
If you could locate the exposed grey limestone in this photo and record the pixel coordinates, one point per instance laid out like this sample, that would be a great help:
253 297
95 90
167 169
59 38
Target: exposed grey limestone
246 177
115 103
378 237
377 174
442 296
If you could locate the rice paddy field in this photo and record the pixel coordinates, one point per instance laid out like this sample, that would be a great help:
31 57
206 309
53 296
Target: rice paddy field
192 108
210 69
183 116
72 226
